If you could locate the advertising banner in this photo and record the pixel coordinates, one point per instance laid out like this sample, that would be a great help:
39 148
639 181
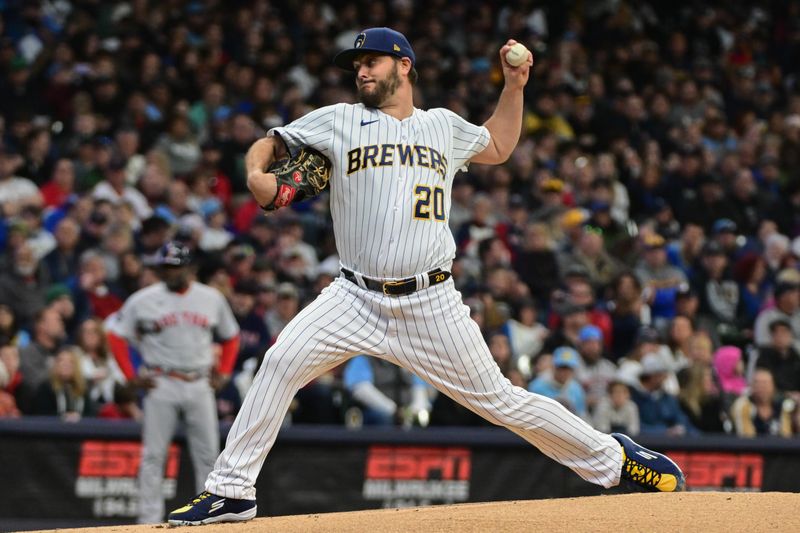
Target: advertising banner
94 478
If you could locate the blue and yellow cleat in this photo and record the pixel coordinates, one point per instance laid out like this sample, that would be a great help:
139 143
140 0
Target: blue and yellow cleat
648 469
209 508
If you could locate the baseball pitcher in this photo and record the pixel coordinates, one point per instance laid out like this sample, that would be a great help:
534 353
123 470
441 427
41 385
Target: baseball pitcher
390 167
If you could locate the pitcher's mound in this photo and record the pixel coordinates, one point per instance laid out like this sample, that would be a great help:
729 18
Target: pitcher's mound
705 512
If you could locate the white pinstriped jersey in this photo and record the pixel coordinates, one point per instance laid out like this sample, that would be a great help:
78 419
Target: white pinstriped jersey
391 183
175 330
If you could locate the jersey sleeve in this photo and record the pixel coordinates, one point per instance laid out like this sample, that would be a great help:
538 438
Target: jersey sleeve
123 322
227 327
468 140
314 129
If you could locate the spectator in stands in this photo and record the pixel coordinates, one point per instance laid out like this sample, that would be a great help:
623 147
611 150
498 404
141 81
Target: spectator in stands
10 332
750 272
215 236
590 252
59 297
16 192
710 203
536 263
176 209
659 411
762 412
701 399
782 359
647 341
61 264
124 405
594 371
290 242
9 379
685 252
628 313
787 307
96 224
660 279
154 233
573 318
719 294
730 372
724 232
552 196
37 357
9 364
776 246
22 286
680 333
39 239
115 189
616 411
255 337
131 271
94 296
118 239
500 348
668 227
525 334
286 306
65 393
580 291
562 385
701 349
57 191
573 226
253 333
180 146
98 366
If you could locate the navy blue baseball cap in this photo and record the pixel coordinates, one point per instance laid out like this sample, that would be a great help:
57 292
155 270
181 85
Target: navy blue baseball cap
380 40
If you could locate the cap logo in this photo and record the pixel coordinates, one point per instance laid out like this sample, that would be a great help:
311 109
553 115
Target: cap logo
395 48
360 40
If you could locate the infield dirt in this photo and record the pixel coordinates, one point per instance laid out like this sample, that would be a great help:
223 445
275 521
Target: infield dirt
698 512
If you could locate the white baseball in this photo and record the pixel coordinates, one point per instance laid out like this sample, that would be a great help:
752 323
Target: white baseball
517 55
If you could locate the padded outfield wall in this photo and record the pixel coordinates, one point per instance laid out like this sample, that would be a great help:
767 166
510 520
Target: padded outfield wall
85 473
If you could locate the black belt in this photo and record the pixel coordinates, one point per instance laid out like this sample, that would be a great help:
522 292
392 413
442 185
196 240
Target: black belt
399 287
190 376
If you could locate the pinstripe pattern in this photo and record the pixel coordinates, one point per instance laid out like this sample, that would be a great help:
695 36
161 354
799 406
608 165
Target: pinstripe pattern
448 352
378 234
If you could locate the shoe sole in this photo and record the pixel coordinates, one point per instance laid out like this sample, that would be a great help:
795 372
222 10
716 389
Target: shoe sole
227 517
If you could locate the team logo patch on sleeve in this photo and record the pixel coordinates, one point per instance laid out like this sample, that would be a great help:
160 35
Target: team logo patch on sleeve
285 195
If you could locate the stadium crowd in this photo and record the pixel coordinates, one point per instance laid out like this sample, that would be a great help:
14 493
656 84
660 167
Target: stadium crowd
637 258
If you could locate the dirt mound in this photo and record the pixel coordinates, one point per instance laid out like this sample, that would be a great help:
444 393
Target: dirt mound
705 512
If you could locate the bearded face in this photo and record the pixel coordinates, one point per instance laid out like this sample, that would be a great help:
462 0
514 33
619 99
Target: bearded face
374 92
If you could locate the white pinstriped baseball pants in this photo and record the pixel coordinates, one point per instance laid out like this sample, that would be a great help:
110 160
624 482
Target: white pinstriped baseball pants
428 332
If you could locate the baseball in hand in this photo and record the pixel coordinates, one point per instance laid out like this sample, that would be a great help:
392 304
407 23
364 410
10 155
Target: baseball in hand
517 55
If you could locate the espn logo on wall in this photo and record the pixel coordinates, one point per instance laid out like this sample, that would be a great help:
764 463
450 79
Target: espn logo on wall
405 476
721 470
108 471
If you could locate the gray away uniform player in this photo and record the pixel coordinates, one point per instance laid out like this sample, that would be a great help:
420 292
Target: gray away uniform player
173 324
393 168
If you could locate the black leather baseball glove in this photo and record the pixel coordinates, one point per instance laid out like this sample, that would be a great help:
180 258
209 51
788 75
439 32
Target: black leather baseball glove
300 177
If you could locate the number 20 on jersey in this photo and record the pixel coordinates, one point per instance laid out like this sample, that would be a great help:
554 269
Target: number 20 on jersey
424 196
